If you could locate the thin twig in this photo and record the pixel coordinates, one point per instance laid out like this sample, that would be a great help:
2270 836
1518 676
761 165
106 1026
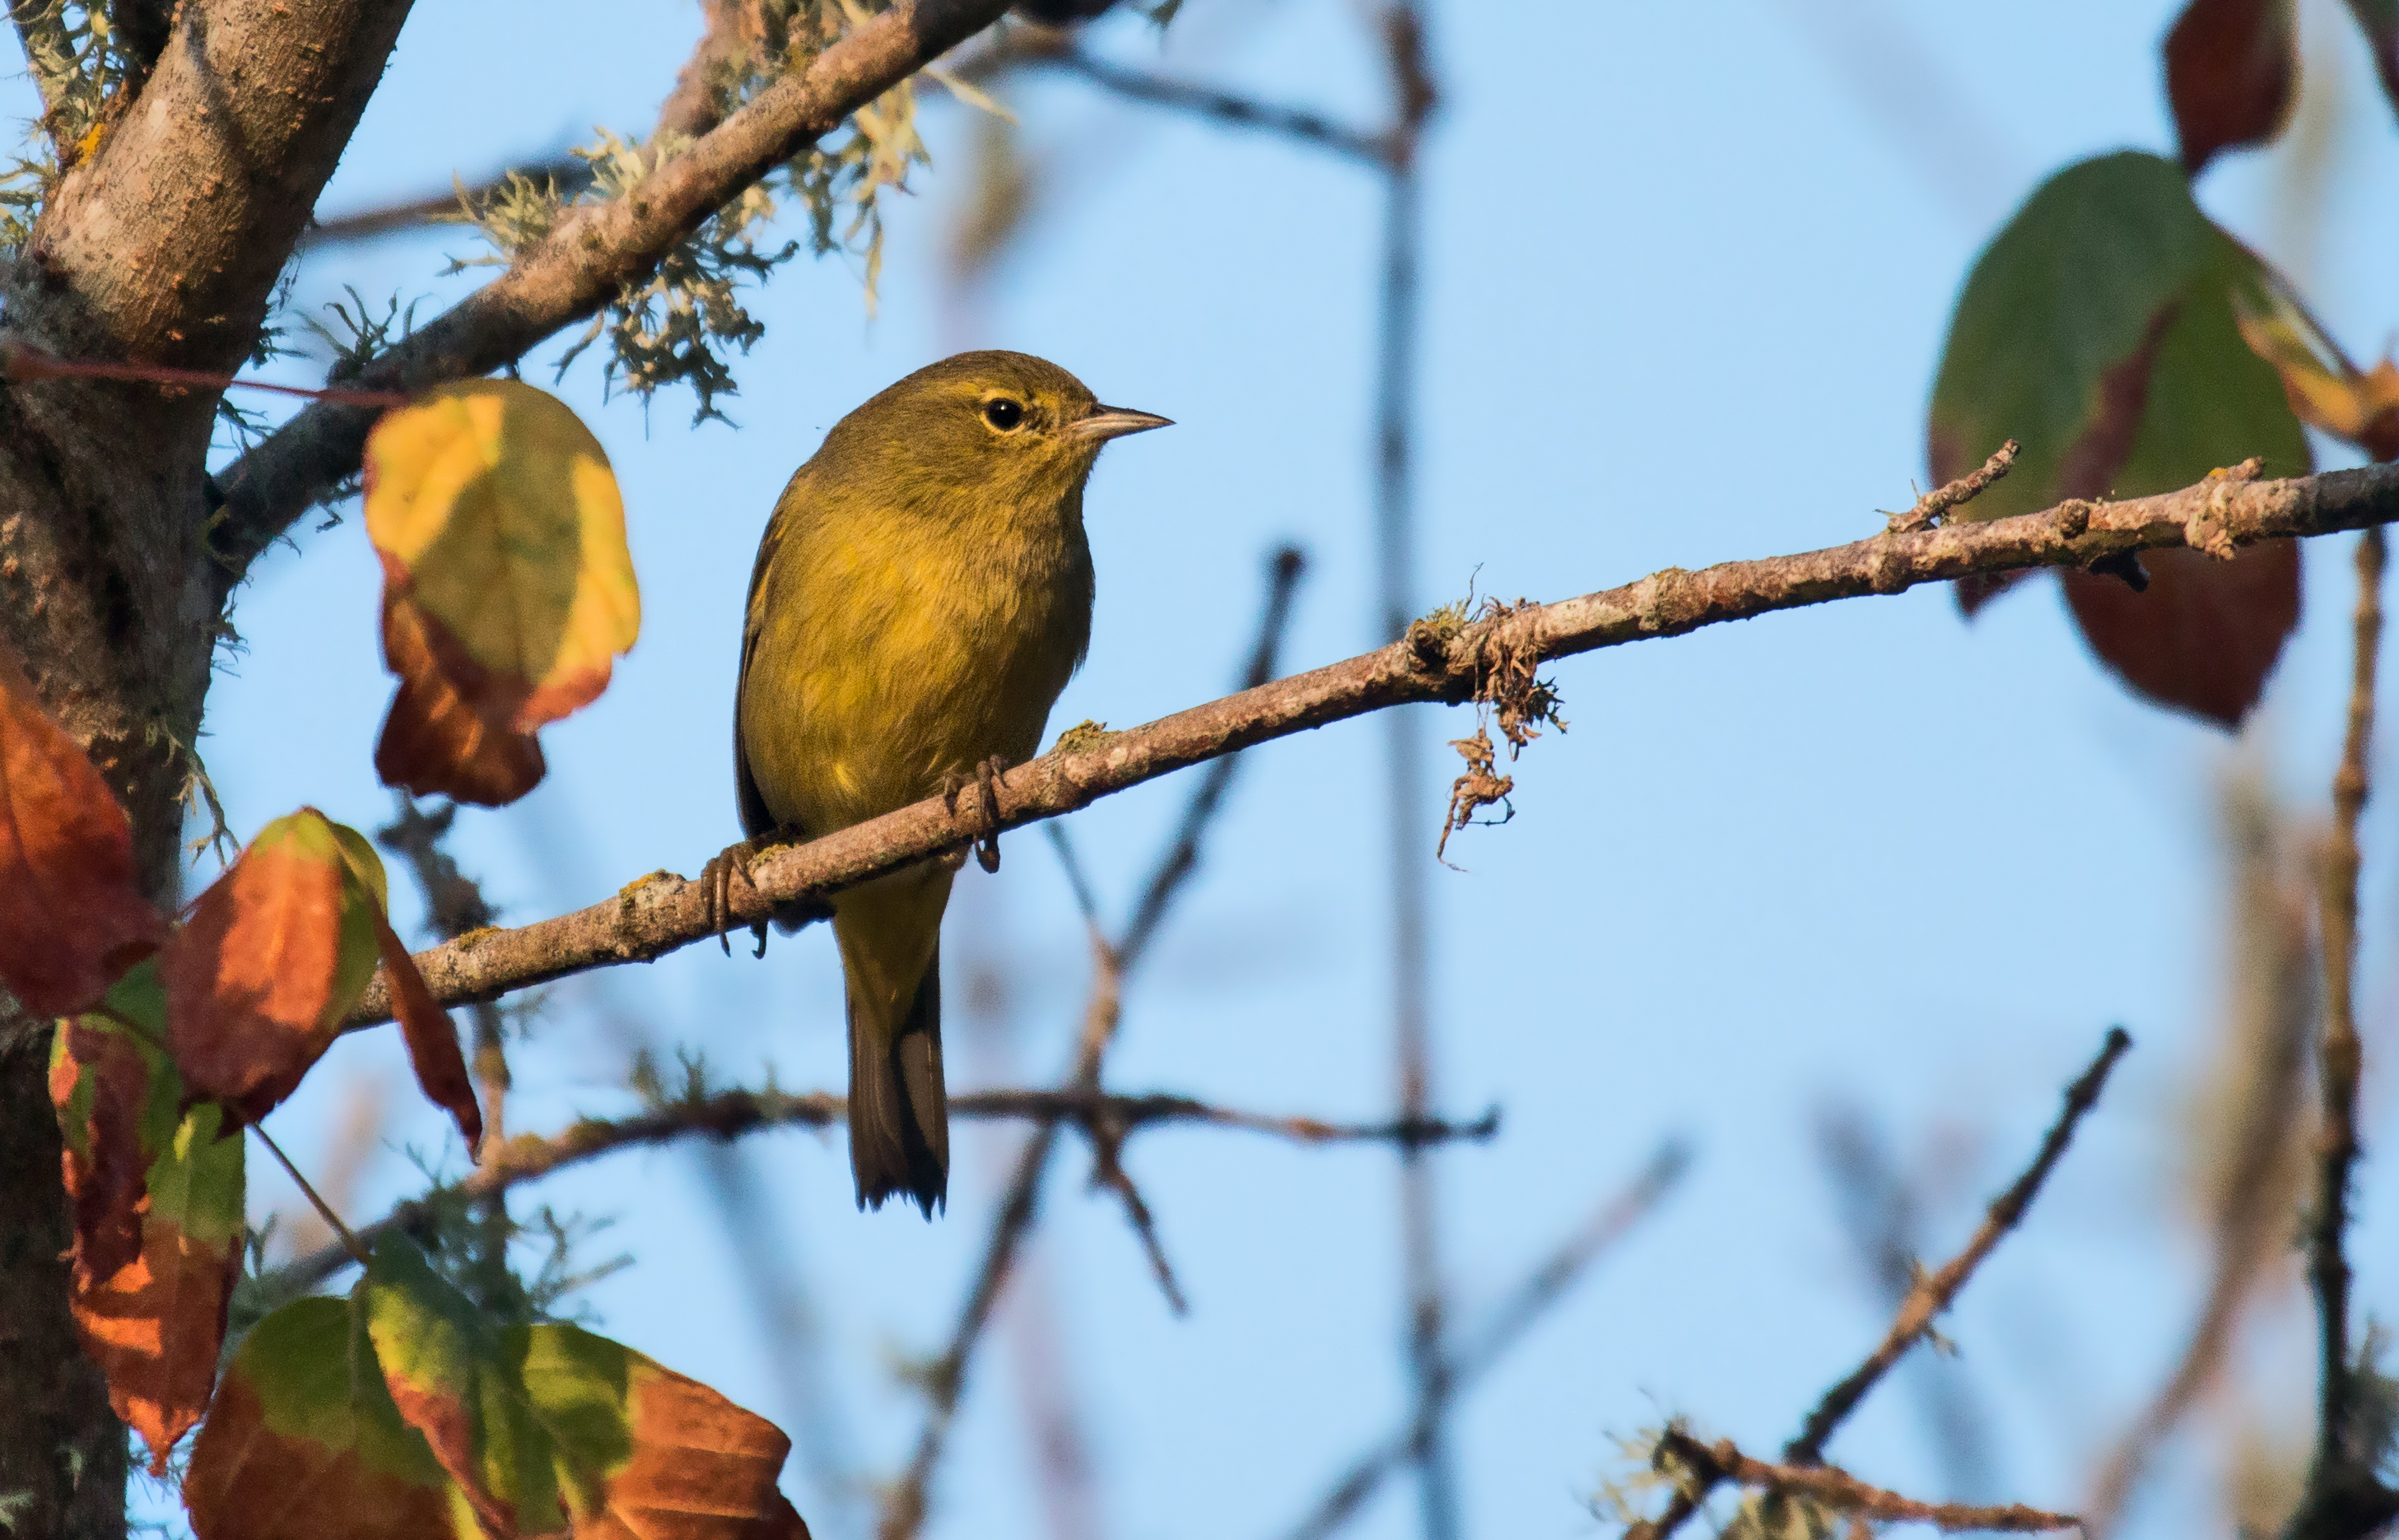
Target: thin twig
1502 1328
1931 1295
1218 106
1931 507
350 1242
658 913
1397 326
1845 1494
731 1114
905 1506
2343 1495
569 174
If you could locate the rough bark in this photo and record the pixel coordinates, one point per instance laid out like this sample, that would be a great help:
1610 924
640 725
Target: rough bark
161 243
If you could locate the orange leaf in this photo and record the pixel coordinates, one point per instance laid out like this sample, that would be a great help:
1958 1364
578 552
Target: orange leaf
507 587
252 977
432 1038
72 917
156 1324
302 1442
433 739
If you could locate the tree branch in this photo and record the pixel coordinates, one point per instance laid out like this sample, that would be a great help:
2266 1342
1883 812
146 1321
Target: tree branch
576 270
730 1114
164 244
1931 1295
2344 1497
1217 106
657 914
1845 1494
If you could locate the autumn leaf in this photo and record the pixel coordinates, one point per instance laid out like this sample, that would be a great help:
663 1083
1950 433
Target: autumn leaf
2232 71
72 918
507 588
275 954
303 1442
2099 330
2324 387
548 1427
158 1195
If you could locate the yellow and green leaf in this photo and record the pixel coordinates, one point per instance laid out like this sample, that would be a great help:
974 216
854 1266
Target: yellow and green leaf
507 587
548 1427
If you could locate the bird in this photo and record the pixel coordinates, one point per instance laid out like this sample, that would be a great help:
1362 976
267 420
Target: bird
922 594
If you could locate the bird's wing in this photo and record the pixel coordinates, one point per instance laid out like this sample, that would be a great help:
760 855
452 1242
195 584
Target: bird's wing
756 821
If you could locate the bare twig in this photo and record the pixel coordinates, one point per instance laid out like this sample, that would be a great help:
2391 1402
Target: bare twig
904 1507
2344 1498
660 913
569 174
1217 106
1395 386
1500 1330
1845 1494
730 1114
1936 503
1885 1211
1930 1296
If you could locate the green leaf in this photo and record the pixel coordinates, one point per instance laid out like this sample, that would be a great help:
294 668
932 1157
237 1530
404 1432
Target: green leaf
2099 330
548 1426
302 1442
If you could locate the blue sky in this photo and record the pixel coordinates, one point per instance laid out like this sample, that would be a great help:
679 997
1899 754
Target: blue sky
1688 275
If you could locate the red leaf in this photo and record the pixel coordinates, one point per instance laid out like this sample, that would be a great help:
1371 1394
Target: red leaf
432 1038
2232 73
72 917
251 977
434 738
2205 636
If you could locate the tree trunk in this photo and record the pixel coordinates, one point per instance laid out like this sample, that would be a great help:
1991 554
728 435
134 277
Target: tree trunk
107 595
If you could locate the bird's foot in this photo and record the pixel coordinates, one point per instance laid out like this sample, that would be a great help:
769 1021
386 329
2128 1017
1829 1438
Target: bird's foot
716 893
981 830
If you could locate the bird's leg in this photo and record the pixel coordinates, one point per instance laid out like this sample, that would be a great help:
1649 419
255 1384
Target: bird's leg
982 828
988 774
716 893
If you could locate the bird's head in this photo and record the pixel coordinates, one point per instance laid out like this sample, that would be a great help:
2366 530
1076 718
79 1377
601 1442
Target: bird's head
984 423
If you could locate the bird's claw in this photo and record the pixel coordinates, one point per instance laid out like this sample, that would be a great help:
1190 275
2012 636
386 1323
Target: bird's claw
716 893
982 829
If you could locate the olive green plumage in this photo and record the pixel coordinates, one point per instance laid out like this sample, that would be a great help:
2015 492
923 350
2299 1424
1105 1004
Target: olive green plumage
922 594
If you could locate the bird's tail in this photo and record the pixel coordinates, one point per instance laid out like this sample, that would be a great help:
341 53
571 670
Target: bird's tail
899 1113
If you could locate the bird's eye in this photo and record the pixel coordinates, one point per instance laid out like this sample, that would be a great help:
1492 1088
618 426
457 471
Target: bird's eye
1003 413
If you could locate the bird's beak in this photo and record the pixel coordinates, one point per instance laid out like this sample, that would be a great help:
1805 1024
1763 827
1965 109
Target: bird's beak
1115 422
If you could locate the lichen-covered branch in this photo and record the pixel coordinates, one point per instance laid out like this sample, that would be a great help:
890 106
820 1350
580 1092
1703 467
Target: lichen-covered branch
655 915
582 265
